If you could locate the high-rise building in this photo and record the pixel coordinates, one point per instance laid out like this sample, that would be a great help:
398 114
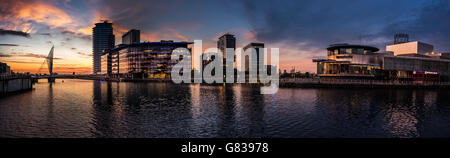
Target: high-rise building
226 41
132 36
102 40
259 54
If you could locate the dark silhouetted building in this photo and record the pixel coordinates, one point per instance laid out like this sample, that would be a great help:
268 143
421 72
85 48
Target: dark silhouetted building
256 46
132 36
4 69
102 40
226 41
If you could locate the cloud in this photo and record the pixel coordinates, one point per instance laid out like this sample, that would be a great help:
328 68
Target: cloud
25 11
320 23
177 34
14 33
76 34
46 34
21 62
4 54
428 25
9 45
29 55
29 16
85 54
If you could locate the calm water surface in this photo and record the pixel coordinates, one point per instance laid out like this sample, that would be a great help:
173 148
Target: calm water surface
84 108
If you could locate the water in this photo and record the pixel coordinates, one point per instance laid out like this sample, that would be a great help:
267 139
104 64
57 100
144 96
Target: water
84 108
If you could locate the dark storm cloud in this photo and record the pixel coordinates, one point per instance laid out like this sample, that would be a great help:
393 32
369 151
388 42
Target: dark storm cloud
134 13
431 25
8 45
46 34
319 23
85 54
166 16
14 33
73 33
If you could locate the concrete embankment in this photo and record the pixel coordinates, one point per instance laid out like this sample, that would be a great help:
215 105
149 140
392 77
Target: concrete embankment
348 83
11 85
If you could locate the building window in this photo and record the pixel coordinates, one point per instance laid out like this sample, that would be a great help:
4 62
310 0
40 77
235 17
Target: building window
342 51
348 51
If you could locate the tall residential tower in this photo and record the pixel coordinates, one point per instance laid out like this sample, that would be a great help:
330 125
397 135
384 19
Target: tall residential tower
102 40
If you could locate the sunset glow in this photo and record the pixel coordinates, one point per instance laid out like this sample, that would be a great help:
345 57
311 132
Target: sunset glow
31 28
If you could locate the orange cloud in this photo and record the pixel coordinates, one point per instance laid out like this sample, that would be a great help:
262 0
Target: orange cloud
177 34
44 13
167 33
20 14
250 36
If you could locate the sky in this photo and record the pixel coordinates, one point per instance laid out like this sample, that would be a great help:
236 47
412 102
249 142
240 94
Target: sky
301 29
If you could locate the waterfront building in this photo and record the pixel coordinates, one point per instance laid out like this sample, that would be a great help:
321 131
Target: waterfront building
256 46
132 36
345 60
226 41
102 40
106 67
259 54
400 61
5 69
142 60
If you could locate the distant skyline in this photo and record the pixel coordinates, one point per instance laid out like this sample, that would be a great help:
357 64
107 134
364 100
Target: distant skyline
302 29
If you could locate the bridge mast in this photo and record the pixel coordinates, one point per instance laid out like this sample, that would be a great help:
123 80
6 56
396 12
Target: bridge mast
50 61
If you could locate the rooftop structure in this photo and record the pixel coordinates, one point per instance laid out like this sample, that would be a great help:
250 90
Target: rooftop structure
132 36
414 47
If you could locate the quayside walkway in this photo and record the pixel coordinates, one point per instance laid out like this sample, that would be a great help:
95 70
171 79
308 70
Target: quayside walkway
14 83
327 82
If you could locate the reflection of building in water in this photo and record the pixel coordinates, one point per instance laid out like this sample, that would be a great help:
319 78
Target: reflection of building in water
401 60
407 112
106 114
249 109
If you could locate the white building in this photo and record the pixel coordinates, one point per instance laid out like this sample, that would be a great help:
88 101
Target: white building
415 47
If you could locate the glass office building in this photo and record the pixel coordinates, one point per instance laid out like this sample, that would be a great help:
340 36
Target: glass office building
143 60
345 60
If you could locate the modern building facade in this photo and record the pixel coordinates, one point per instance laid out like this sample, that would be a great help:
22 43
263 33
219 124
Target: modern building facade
142 60
414 47
345 60
401 61
102 40
132 36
